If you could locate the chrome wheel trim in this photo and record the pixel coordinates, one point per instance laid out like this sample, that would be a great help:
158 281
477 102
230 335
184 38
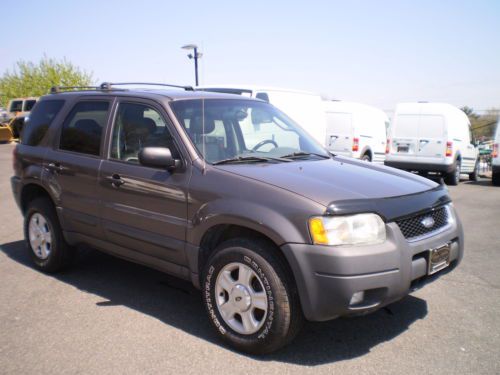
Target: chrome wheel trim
40 236
457 173
241 298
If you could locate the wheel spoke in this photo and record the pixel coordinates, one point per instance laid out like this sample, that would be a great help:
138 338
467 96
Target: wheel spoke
249 322
225 281
47 237
245 275
227 309
259 301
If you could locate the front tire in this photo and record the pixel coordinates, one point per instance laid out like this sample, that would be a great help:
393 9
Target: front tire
453 178
44 237
250 296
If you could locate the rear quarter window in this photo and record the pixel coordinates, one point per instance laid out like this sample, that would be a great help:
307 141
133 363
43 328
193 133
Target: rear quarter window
39 121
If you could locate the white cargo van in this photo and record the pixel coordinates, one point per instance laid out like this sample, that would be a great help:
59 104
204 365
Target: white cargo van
356 130
495 157
348 129
432 137
303 107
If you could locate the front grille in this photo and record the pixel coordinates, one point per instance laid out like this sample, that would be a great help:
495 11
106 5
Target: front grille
413 227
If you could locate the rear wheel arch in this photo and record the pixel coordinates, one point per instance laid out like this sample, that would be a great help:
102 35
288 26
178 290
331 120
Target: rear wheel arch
368 153
32 191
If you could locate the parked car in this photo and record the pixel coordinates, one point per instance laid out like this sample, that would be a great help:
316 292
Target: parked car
433 137
271 234
356 130
20 107
495 158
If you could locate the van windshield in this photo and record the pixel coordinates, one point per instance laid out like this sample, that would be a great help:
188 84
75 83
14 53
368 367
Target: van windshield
224 129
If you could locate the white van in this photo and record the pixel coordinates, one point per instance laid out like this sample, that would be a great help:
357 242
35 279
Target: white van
20 107
495 157
356 130
329 122
432 137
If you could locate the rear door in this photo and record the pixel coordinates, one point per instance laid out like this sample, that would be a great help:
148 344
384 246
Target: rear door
339 132
405 141
432 136
144 209
71 167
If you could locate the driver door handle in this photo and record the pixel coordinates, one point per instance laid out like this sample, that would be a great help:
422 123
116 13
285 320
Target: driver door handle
56 167
115 180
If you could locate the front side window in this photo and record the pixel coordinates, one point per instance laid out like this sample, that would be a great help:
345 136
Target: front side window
83 128
39 121
224 129
28 105
137 126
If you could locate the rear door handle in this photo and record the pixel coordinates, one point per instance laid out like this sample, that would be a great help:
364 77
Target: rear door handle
56 167
115 180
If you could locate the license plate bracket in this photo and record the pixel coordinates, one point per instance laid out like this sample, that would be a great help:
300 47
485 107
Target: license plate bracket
439 258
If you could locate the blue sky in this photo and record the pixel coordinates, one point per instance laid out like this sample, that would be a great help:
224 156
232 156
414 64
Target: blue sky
375 52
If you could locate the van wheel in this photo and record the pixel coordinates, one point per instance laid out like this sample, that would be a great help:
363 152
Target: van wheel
366 157
495 179
453 178
474 176
250 296
44 237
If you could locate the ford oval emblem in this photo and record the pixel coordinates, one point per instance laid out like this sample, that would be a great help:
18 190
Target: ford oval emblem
428 222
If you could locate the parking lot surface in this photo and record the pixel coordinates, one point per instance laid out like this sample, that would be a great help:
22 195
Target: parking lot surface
108 316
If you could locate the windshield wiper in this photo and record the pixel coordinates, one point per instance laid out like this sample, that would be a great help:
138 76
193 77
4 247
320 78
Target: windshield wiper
299 154
240 159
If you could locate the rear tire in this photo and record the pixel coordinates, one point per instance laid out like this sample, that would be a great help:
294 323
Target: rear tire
474 176
366 157
44 237
453 178
495 179
269 301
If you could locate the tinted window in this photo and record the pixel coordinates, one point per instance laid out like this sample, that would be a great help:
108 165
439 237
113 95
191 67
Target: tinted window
39 121
83 128
16 106
137 126
28 105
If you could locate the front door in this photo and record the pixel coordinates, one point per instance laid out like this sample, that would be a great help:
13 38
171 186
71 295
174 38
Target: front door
144 209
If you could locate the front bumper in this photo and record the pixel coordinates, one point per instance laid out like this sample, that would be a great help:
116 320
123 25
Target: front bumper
328 276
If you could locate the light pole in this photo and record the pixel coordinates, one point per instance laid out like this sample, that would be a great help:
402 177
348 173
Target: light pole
195 55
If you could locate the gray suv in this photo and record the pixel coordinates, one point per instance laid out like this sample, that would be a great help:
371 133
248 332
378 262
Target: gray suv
231 194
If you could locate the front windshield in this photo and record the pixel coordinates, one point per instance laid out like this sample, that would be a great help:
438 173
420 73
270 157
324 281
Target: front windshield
242 128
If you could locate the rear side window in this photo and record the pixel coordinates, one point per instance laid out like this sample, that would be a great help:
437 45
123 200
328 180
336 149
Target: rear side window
39 121
16 106
83 128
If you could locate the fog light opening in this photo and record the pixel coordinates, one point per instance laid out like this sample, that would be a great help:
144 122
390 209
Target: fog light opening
357 298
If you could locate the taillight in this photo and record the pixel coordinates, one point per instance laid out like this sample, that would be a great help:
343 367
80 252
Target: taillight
355 144
387 146
449 148
494 154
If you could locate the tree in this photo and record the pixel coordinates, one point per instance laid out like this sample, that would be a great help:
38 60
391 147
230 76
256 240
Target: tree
30 79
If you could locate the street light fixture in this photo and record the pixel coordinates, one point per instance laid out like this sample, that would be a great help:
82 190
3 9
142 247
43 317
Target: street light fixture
195 55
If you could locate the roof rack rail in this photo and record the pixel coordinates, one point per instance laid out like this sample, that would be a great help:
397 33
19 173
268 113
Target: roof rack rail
109 85
56 89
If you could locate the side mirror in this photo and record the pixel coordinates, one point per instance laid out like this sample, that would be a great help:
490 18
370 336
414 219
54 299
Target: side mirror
157 157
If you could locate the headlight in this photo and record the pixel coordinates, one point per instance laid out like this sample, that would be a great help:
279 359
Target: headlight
347 230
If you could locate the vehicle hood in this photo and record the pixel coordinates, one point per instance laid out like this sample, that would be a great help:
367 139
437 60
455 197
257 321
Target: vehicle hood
336 179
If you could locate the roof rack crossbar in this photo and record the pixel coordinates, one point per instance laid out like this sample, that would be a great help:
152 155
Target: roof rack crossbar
108 85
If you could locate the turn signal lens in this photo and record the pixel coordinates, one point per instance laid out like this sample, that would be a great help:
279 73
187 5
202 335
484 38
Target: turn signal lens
387 146
449 148
494 154
318 232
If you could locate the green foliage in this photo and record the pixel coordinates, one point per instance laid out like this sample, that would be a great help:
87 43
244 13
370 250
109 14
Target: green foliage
30 79
483 126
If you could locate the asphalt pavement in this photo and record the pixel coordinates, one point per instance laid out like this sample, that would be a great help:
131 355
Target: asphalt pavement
108 316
